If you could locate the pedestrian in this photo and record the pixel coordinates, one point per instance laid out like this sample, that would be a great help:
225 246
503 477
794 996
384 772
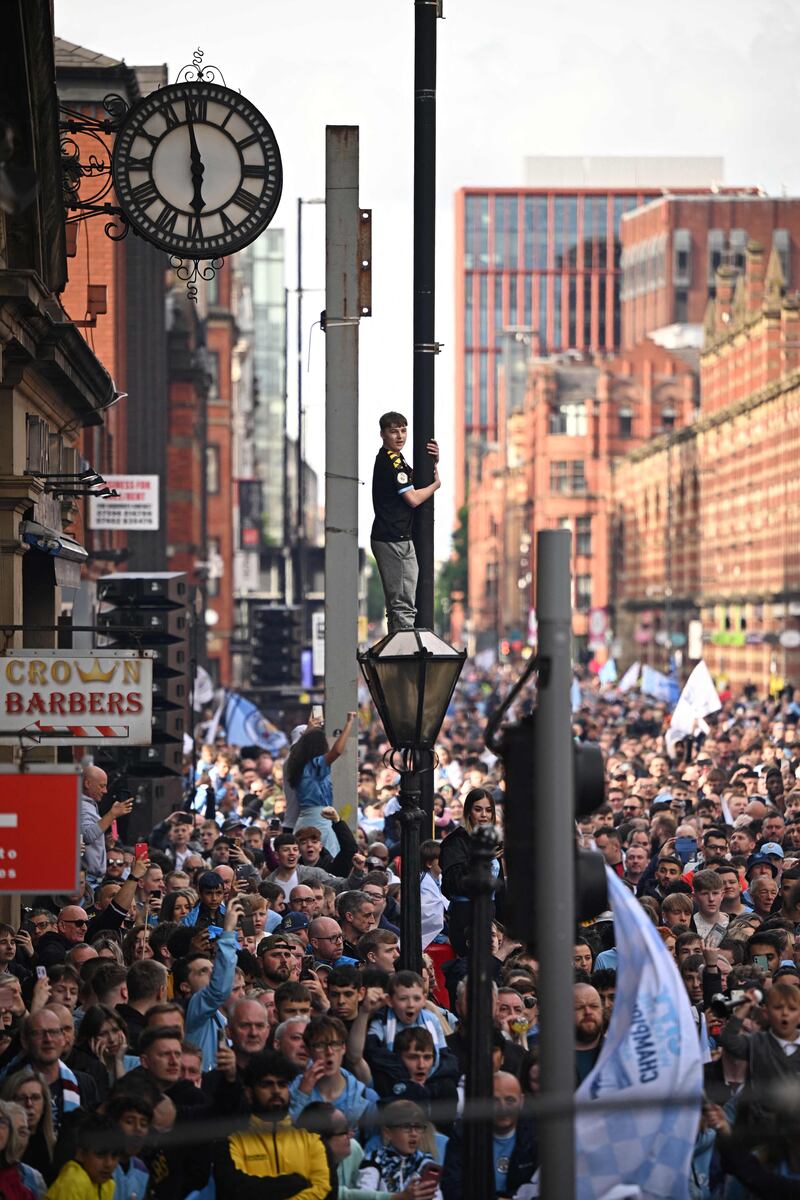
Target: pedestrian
394 498
308 770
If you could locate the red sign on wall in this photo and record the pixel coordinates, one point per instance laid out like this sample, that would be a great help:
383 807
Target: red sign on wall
39 829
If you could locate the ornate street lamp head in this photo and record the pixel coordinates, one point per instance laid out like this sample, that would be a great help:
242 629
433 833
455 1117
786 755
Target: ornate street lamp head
411 676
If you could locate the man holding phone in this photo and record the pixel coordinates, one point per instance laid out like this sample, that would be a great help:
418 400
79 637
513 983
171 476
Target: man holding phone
93 826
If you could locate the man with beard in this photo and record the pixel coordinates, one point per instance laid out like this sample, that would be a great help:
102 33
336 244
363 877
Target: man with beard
275 956
271 1148
589 1028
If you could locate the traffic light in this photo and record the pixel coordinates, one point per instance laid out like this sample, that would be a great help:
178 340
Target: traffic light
521 807
148 611
277 641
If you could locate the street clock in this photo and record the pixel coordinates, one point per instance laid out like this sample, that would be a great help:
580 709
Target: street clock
197 170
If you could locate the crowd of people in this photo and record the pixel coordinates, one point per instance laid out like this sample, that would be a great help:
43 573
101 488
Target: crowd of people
217 1010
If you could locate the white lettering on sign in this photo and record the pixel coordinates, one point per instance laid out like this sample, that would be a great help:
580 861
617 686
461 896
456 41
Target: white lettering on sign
8 820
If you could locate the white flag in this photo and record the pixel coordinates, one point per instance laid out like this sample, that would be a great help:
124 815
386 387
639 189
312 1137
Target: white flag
608 672
630 678
697 700
651 1051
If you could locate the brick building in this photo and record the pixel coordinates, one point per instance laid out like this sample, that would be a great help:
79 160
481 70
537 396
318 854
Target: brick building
551 469
545 258
672 246
706 520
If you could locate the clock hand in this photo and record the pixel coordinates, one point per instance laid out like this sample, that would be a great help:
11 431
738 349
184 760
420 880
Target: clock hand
198 169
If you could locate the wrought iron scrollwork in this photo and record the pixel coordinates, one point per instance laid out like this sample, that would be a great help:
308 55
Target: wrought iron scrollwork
195 71
80 164
189 271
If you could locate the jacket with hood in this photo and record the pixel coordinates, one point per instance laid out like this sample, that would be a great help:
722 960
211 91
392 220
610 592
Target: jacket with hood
357 1101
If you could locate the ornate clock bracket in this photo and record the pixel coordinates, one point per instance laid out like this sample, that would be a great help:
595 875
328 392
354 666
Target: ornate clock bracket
93 166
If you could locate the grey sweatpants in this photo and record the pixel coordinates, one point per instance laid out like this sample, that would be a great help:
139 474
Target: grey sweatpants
397 564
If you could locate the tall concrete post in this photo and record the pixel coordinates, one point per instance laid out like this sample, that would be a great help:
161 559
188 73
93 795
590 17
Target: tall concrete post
554 857
347 299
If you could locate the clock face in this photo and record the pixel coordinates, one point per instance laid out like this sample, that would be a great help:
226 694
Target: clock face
197 170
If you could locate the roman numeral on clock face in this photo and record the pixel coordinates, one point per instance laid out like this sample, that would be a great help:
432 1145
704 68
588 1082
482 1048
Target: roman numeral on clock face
245 199
167 219
197 107
144 194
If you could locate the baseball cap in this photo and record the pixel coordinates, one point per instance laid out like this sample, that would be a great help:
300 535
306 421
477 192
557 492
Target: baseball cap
756 859
233 823
293 922
772 848
273 942
210 879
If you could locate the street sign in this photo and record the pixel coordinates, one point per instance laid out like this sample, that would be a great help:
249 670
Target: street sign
68 698
318 644
39 828
136 506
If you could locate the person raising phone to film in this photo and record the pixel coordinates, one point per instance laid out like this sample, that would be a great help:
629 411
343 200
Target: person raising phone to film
308 772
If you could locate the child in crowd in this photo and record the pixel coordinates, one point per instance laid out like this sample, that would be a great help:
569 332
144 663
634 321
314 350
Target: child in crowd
403 1156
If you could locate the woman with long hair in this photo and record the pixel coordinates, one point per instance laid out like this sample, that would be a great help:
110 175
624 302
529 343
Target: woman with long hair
102 1038
479 809
30 1091
12 1184
308 773
136 945
176 905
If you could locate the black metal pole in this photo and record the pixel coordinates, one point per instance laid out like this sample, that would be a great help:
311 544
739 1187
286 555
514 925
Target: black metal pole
425 17
300 532
478 1165
411 818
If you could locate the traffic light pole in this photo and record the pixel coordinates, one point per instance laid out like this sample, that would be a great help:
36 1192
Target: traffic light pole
554 856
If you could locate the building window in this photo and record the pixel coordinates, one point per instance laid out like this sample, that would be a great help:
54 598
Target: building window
212 470
583 592
781 243
738 244
716 250
468 311
626 422
567 477
682 258
212 364
569 419
681 305
583 536
212 584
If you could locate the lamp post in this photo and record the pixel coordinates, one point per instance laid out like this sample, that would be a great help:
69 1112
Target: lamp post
411 676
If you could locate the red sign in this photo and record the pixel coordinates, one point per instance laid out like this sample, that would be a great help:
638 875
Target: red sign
39 830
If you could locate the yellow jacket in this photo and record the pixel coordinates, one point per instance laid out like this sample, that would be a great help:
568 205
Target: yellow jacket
266 1151
74 1184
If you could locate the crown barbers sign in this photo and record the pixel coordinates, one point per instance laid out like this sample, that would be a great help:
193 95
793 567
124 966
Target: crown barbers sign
65 698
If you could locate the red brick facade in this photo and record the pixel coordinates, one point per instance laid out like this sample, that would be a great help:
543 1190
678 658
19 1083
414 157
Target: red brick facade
672 247
552 469
707 522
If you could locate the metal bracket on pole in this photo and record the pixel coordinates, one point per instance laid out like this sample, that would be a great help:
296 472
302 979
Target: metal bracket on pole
428 347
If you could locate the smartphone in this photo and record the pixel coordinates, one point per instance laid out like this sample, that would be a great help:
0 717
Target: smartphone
685 848
247 926
762 961
316 712
307 970
221 1038
141 850
431 1173
41 972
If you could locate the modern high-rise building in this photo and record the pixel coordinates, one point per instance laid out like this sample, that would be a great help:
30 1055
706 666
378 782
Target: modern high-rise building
545 257
262 267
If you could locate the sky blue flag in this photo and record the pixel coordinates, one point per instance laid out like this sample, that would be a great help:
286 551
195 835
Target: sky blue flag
651 1051
245 726
661 687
